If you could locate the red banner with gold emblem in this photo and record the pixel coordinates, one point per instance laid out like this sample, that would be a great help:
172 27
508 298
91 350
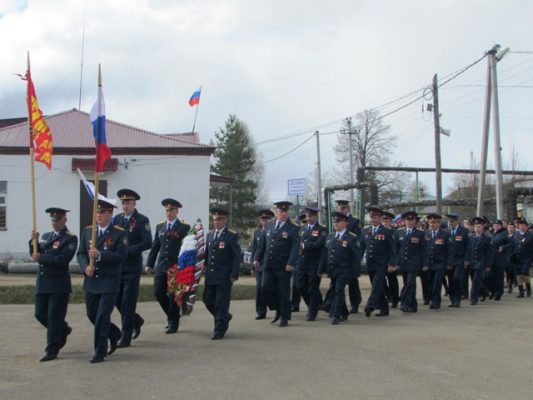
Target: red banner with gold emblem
40 134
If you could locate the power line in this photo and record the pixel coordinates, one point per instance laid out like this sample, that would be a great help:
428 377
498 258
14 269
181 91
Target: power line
290 151
447 79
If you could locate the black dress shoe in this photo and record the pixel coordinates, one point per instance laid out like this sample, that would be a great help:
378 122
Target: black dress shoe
354 310
171 329
260 317
381 314
311 318
47 356
97 359
123 343
283 323
368 311
473 303
394 305
497 298
137 330
217 336
112 346
335 321
67 331
426 302
230 316
295 309
276 318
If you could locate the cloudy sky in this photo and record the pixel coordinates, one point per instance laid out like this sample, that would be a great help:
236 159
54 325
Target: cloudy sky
286 68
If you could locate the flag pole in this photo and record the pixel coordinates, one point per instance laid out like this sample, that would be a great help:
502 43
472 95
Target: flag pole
32 159
96 184
196 113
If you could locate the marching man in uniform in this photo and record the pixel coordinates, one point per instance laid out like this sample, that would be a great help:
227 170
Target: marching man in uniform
223 260
52 289
165 249
278 251
102 280
137 227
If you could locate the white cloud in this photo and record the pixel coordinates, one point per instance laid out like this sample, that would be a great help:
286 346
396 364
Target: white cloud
281 66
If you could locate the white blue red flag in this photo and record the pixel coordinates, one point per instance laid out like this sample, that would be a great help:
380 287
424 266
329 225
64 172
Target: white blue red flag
98 120
195 98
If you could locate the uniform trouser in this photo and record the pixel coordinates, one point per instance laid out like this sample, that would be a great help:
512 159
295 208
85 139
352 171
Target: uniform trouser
128 294
408 295
276 287
477 285
354 292
50 311
377 297
216 299
296 296
339 301
510 272
455 277
435 278
166 302
467 273
260 303
393 292
425 282
497 273
308 284
99 308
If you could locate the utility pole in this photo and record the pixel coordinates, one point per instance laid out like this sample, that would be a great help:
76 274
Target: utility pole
438 167
492 93
319 175
350 132
485 141
497 145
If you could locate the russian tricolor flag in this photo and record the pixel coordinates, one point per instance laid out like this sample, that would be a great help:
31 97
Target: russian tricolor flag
98 120
195 98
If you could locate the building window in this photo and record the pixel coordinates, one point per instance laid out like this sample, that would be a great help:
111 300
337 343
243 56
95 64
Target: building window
3 205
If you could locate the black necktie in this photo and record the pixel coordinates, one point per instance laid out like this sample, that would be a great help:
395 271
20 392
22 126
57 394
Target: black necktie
408 233
277 226
434 234
169 227
216 235
337 236
126 220
100 233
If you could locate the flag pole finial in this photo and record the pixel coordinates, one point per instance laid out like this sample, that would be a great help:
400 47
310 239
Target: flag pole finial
99 76
28 60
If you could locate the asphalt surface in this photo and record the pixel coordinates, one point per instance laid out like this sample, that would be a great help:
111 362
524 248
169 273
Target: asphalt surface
475 352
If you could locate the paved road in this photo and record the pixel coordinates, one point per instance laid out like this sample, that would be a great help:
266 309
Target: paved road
482 352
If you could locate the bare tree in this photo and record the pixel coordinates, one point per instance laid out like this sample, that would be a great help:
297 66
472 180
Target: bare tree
371 146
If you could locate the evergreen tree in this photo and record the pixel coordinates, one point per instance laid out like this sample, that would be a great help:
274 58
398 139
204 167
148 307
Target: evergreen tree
235 157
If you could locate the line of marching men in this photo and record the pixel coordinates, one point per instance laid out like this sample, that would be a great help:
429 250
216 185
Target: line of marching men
112 271
281 251
439 255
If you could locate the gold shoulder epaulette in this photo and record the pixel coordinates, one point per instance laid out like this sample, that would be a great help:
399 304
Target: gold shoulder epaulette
184 222
232 231
351 233
118 227
69 233
162 222
294 224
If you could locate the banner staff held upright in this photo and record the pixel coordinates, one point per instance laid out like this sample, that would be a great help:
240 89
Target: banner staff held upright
102 152
40 141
